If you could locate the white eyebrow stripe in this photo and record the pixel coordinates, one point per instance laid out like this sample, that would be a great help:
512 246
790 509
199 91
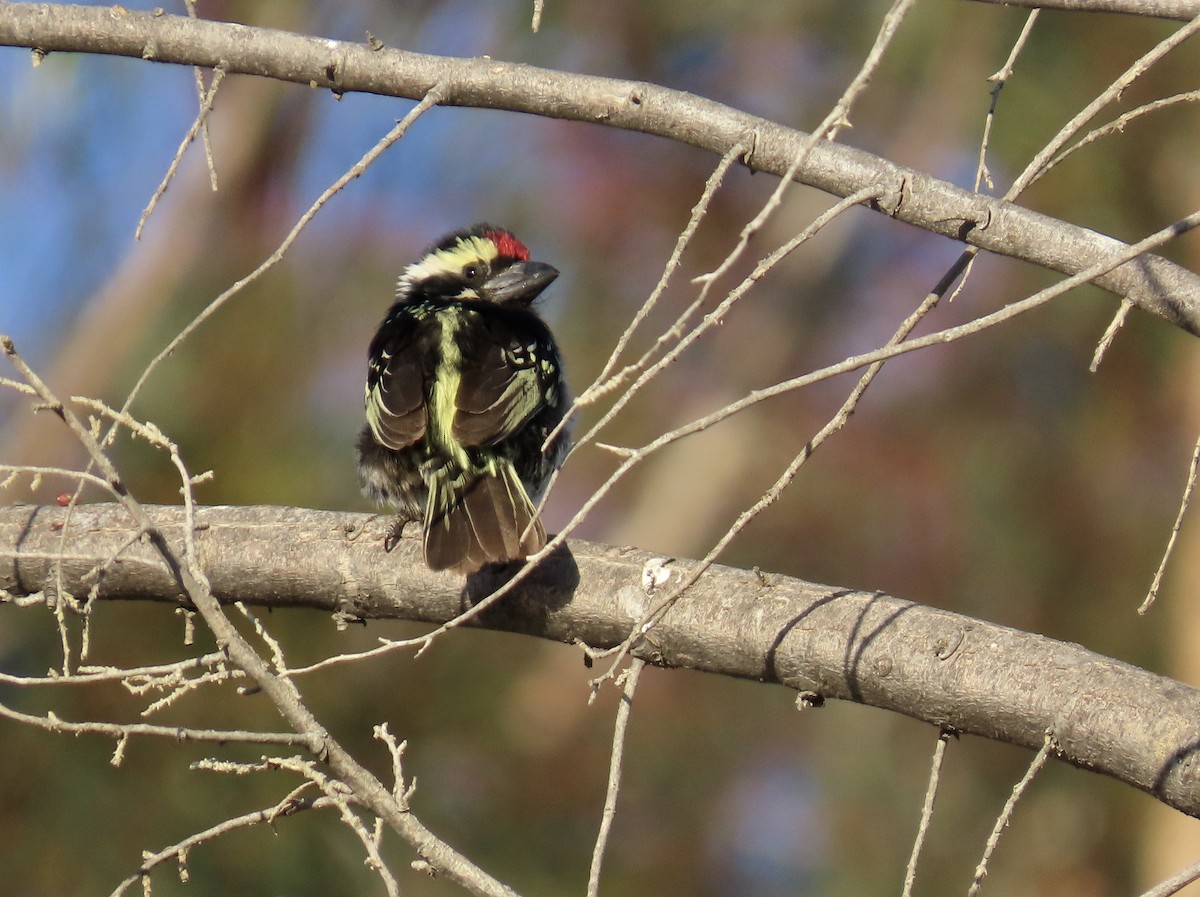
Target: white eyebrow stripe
451 261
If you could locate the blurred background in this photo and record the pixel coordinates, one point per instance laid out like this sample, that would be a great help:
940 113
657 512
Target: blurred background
995 476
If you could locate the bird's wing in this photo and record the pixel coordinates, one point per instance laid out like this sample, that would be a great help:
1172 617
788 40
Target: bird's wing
396 384
511 365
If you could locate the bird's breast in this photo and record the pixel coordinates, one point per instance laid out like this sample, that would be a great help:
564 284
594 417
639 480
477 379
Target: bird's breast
443 394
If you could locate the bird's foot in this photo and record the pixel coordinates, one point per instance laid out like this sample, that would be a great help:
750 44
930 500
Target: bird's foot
394 532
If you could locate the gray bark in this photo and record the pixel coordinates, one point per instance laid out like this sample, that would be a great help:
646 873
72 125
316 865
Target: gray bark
1150 282
944 668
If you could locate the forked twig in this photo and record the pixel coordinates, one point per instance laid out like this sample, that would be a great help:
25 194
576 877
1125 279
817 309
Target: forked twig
178 852
603 382
368 791
1041 163
200 92
207 98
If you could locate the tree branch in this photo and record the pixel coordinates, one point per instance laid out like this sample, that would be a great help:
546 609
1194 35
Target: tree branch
1152 283
186 577
1181 10
944 668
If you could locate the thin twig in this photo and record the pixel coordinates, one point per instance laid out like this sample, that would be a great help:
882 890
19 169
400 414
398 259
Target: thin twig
1117 125
629 684
400 791
650 619
999 79
940 337
65 472
178 852
92 675
23 388
935 777
1110 334
838 118
338 794
52 723
1175 883
1039 760
713 318
603 383
1163 9
1183 506
356 170
209 159
206 105
1041 162
279 663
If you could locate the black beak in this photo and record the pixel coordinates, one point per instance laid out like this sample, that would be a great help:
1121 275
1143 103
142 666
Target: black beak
519 283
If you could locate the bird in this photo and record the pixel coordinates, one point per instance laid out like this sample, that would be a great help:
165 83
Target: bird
464 387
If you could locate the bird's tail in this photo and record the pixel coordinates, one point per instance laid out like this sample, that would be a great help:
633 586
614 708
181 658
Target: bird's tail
480 518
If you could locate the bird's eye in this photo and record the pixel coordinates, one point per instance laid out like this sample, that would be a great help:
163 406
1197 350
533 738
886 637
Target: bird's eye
471 272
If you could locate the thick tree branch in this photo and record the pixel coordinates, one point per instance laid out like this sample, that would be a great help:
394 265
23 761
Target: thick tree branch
184 570
1154 284
947 669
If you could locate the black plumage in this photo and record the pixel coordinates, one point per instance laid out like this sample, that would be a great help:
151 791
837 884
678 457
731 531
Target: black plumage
464 386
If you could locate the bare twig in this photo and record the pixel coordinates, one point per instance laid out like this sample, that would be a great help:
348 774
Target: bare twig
1175 883
178 852
1161 287
120 731
935 777
1183 10
1110 334
940 337
603 383
336 792
1118 124
200 92
837 118
23 388
1039 760
1183 506
999 79
64 472
629 683
430 100
171 672
400 791
192 580
199 125
1041 163
713 318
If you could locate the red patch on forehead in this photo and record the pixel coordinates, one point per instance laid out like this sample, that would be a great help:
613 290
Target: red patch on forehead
508 245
